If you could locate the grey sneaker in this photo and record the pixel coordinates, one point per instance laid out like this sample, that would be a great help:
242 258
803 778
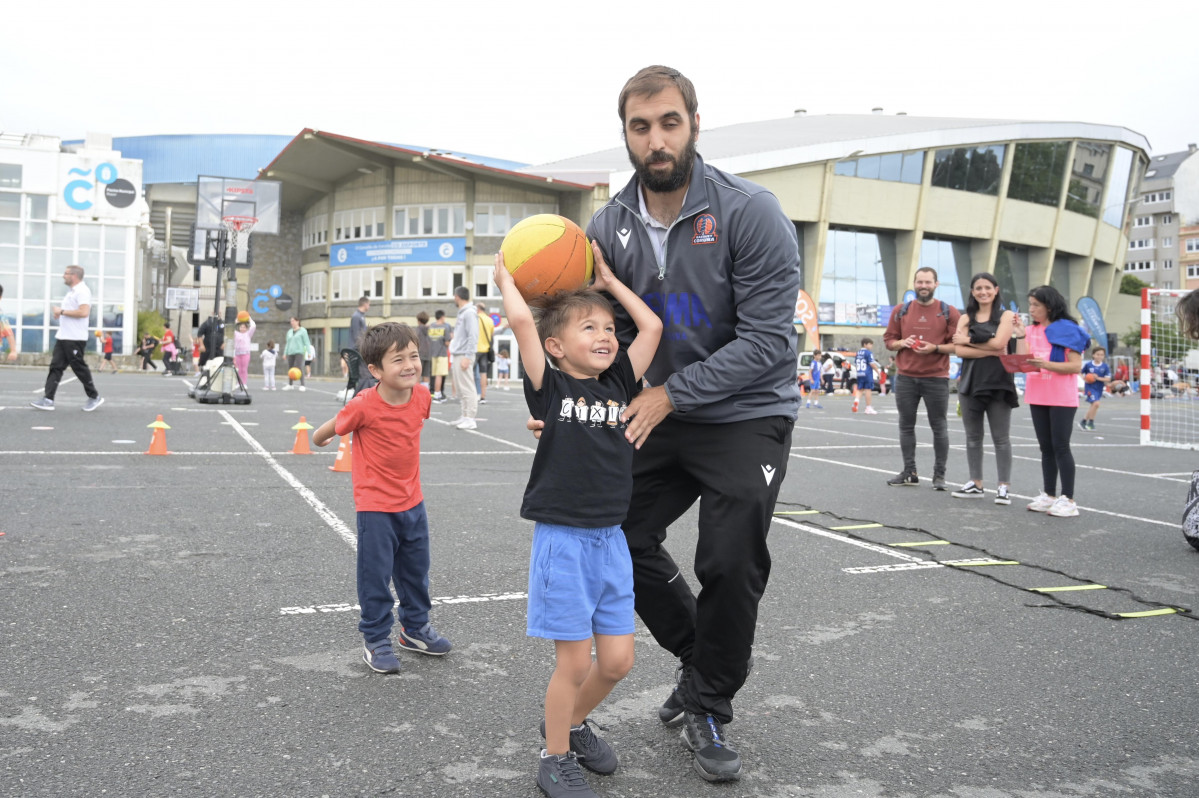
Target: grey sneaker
939 483
905 479
42 404
92 404
592 751
671 711
559 776
715 759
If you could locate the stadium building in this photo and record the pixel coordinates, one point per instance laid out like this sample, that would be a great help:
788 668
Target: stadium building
873 198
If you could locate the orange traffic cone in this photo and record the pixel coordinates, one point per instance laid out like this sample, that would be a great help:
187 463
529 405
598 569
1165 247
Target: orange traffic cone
344 456
158 443
301 446
855 398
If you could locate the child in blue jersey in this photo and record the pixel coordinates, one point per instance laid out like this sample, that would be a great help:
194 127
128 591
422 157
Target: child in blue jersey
1093 391
579 382
864 365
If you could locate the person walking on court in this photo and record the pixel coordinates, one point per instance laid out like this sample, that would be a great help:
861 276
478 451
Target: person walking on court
295 349
864 364
986 389
1093 386
439 350
7 335
920 332
70 343
1056 344
463 348
715 423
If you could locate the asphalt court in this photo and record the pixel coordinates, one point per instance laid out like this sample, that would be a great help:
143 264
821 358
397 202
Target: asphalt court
187 623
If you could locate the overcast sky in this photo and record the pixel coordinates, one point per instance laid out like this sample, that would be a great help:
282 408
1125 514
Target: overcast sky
536 81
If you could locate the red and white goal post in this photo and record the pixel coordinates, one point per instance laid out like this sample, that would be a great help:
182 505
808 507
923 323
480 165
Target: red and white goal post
1169 374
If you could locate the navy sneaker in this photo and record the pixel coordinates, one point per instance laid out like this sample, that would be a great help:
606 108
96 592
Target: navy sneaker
671 711
715 760
592 751
380 659
559 776
424 640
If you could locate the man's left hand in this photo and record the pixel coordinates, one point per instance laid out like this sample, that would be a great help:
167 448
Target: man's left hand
926 348
645 412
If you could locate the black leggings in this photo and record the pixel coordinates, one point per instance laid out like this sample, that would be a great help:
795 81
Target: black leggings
1054 425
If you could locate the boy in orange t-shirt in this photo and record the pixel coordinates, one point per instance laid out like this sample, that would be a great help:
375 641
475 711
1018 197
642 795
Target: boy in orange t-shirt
393 529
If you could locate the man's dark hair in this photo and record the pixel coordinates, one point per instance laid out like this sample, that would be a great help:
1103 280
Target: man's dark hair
931 270
378 340
364 300
653 79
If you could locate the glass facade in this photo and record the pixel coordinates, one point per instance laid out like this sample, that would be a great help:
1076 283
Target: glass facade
858 282
951 260
1085 193
1011 270
897 167
976 169
1038 168
1117 195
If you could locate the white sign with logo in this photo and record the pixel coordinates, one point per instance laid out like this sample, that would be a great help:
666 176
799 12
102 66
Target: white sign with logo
97 187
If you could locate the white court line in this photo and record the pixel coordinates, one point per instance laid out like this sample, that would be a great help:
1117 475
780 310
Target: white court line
1171 524
327 515
517 446
824 533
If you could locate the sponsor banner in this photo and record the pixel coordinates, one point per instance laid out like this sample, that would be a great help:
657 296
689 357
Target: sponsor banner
98 188
400 250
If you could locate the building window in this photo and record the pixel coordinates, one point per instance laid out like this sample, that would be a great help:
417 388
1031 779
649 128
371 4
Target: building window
1167 264
1038 168
1168 241
10 175
426 282
347 284
1086 183
897 167
497 218
1168 284
1167 218
1193 272
1157 196
357 225
975 169
412 221
1139 266
1143 221
1193 245
1142 243
951 260
316 231
312 287
1117 193
858 268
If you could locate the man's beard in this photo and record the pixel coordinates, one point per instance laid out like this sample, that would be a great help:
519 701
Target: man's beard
664 183
925 294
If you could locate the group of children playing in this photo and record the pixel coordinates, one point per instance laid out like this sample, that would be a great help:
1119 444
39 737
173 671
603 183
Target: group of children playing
578 380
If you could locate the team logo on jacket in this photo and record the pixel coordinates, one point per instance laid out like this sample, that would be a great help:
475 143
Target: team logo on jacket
705 229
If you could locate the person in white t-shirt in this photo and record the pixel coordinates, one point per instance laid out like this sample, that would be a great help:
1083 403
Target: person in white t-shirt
71 342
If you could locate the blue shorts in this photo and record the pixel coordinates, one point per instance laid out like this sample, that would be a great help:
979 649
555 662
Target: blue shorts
1093 396
580 583
865 383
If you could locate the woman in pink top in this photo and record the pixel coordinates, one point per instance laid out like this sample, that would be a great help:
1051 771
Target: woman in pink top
1055 342
241 348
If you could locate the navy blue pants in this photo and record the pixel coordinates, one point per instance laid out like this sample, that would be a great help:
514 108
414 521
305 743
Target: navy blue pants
393 548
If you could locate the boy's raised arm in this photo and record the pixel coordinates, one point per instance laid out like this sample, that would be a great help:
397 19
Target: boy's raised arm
325 432
520 321
649 326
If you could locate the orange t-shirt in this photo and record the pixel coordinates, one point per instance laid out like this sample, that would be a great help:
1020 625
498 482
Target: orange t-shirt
386 449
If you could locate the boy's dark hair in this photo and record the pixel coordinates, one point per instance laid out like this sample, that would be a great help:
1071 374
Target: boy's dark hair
422 318
555 312
377 340
1097 350
1187 311
439 315
867 341
270 344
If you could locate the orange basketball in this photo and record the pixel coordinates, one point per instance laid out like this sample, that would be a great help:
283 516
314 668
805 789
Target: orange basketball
1089 378
294 374
546 254
243 315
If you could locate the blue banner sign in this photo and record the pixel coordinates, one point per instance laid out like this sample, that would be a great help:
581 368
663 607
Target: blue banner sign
1092 319
400 250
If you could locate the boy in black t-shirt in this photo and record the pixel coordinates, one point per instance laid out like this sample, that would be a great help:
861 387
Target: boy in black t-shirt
580 572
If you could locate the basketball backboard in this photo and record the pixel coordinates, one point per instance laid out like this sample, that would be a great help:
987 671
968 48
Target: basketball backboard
218 197
204 249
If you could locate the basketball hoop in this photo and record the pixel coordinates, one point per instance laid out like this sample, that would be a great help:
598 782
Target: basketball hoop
236 225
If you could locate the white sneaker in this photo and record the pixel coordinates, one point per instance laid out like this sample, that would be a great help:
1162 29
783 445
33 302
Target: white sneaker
1064 507
470 423
1042 503
870 411
287 387
457 421
302 388
1001 495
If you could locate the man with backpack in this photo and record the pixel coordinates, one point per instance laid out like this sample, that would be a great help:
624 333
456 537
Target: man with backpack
920 332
